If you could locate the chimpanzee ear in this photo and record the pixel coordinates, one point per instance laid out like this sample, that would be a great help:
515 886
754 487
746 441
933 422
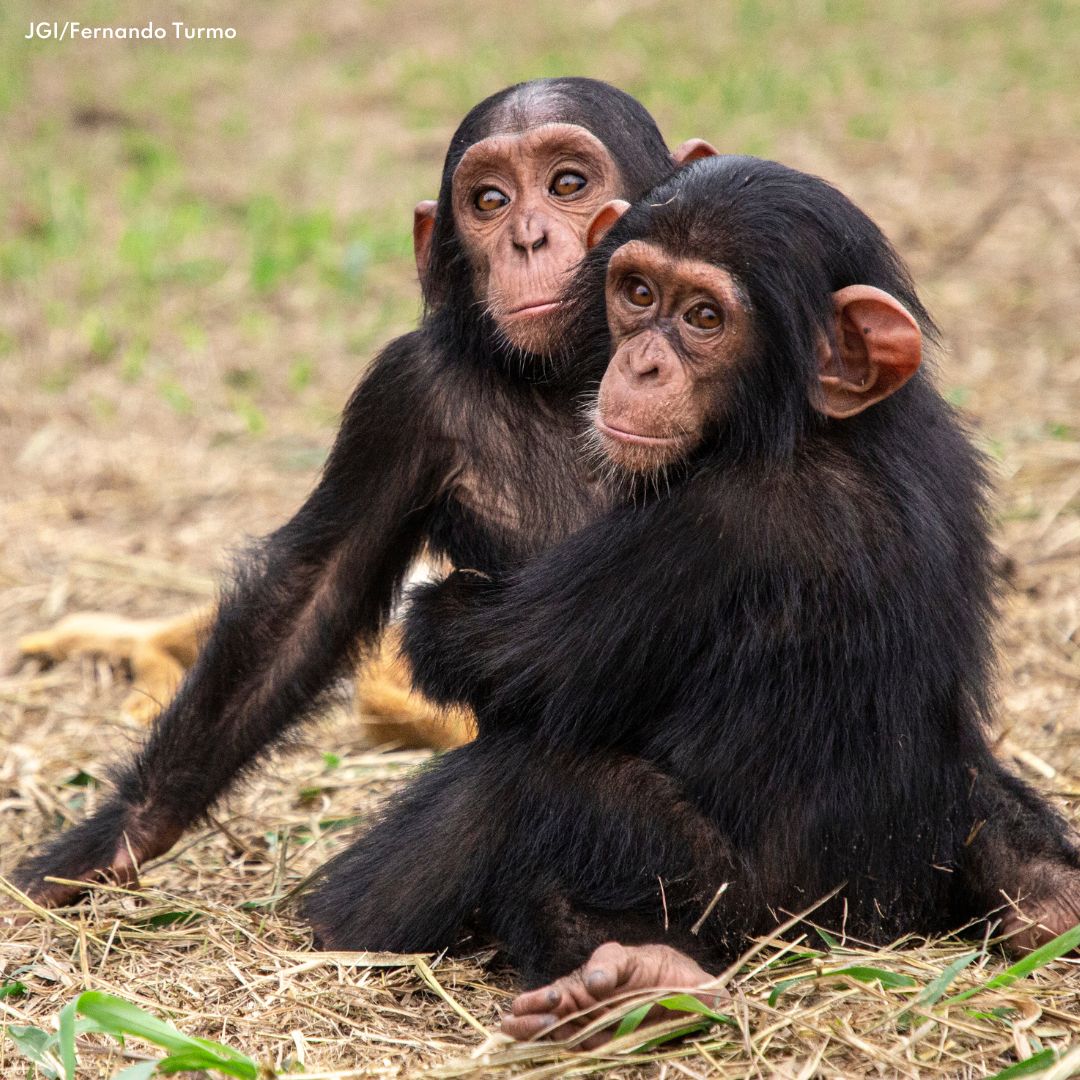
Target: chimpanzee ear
422 227
602 221
878 348
693 150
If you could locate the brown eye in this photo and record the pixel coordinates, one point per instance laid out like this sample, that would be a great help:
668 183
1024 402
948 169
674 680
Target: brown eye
568 183
490 199
704 317
637 291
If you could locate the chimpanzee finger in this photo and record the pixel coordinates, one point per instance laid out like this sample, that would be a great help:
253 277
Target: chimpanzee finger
529 1026
544 1000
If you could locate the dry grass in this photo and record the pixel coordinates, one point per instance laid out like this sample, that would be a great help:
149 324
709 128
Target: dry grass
147 422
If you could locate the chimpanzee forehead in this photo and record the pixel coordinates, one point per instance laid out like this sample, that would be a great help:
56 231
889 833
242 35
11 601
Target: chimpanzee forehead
677 271
543 141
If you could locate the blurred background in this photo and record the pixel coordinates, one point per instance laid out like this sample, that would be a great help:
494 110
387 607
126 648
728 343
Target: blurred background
203 243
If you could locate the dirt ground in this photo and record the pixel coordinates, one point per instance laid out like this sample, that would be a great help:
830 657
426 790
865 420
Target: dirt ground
200 253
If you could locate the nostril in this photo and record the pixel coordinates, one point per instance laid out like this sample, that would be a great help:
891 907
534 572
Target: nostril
539 242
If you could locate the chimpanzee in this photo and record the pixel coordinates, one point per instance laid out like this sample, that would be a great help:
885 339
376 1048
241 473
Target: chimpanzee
765 668
459 437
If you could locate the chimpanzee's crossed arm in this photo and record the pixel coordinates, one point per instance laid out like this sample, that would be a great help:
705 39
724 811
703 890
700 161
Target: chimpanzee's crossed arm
579 639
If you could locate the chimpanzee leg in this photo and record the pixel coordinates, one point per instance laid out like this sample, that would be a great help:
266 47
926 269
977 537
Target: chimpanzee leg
1023 856
550 856
607 847
410 882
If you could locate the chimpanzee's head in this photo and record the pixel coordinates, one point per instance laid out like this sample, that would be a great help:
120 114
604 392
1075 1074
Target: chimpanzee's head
526 172
747 304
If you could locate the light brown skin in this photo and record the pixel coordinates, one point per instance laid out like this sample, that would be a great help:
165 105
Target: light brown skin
678 326
1050 906
613 971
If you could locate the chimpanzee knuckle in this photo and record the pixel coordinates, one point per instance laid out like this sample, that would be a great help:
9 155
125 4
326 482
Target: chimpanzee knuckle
610 953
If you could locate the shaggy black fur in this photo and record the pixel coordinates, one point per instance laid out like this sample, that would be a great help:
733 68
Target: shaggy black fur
769 669
449 441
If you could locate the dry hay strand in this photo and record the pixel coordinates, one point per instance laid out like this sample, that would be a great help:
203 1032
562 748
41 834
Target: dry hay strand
212 944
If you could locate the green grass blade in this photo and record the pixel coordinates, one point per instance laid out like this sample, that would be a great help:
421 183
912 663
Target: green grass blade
201 1060
119 1018
1034 960
676 1003
831 943
890 980
1037 1063
696 1028
936 990
786 984
691 1004
632 1020
66 1039
1040 957
141 1070
33 1043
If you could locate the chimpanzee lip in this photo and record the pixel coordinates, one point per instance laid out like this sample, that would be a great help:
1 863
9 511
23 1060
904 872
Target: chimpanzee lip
633 437
540 307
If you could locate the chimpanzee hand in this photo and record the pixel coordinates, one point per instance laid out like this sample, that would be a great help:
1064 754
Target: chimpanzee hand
109 847
459 593
439 634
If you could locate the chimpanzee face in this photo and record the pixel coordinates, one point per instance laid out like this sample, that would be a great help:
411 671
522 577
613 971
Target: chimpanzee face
679 326
522 205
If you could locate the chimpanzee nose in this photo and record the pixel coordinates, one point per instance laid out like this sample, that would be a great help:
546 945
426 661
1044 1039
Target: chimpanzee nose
529 233
649 365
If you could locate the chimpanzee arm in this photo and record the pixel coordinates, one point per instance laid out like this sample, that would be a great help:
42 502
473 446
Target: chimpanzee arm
575 638
317 589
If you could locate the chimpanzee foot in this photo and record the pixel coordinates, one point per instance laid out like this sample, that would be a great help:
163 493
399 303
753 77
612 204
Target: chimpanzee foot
611 971
1051 906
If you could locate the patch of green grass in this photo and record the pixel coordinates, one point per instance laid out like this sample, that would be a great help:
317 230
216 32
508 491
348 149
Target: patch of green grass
176 397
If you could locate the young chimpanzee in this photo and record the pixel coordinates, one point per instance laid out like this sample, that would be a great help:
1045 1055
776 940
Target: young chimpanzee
459 438
766 669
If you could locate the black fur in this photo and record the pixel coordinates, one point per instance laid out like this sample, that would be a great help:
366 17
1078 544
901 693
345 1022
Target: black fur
773 672
447 442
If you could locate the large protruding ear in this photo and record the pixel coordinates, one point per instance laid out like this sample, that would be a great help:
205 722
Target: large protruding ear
423 226
603 220
694 150
878 348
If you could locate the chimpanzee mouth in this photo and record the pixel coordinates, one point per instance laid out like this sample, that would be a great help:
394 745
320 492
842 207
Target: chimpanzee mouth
621 435
541 307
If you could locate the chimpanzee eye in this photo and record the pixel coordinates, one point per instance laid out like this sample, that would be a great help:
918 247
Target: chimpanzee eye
568 183
490 199
637 291
704 317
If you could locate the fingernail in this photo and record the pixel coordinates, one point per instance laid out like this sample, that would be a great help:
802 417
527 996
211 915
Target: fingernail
553 997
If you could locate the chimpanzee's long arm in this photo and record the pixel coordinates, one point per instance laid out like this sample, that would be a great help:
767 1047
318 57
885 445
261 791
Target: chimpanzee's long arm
318 589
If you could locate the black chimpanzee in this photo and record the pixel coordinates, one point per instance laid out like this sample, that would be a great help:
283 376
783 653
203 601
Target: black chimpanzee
767 667
459 437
